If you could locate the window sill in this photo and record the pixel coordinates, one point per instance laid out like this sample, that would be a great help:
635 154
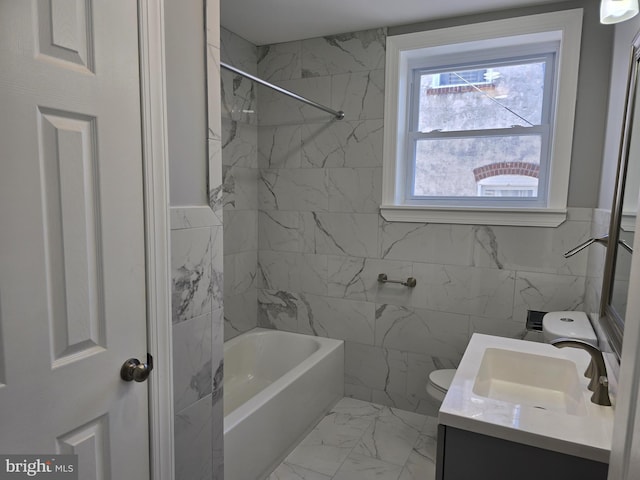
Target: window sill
530 217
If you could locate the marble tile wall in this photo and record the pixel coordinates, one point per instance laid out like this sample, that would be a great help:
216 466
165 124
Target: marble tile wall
197 311
197 302
240 185
322 242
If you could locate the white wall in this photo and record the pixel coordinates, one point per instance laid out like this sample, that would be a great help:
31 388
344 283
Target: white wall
186 101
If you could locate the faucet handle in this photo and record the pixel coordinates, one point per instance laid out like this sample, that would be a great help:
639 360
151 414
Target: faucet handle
596 370
601 395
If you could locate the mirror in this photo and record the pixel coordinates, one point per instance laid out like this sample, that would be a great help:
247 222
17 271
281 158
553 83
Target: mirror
623 214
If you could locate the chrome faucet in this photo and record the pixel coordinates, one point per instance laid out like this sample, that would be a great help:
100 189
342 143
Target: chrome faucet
597 370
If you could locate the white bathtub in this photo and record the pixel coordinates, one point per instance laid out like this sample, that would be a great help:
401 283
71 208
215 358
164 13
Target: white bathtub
277 385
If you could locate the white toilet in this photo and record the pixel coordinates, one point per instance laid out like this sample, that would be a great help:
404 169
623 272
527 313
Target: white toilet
554 325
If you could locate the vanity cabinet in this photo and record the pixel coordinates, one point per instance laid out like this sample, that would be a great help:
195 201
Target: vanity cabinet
465 455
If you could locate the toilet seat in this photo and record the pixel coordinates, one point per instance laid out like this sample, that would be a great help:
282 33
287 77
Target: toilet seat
439 383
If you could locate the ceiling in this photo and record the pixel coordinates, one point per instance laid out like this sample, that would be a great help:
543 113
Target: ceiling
264 22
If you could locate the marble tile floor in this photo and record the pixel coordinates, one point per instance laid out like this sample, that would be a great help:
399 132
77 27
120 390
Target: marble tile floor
360 440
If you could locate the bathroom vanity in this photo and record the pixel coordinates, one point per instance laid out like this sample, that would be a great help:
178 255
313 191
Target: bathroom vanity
519 409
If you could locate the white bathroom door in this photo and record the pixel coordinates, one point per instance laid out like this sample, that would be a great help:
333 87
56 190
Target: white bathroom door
72 265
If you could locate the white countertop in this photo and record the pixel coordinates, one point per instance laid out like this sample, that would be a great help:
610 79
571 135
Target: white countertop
588 436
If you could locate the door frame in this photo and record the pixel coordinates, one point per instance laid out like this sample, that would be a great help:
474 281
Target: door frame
155 159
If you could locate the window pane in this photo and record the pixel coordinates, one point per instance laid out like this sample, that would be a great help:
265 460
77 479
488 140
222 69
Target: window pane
505 166
497 97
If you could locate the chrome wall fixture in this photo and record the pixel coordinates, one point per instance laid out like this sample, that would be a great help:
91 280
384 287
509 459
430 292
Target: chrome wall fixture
339 114
409 282
604 240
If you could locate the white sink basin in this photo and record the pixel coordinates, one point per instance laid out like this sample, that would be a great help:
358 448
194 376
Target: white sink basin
529 393
542 382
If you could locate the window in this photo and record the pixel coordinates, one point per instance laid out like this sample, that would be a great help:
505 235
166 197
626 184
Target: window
479 129
501 111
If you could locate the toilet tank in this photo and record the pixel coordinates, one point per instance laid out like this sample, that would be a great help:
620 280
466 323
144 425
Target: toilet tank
575 325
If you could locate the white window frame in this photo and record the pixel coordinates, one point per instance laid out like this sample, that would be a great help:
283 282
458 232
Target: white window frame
403 51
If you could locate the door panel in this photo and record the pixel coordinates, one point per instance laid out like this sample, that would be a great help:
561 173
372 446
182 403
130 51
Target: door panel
72 269
72 241
65 32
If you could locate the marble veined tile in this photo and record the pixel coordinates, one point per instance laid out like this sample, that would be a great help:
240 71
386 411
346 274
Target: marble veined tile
239 144
348 52
240 270
240 313
336 318
319 454
193 440
192 372
216 286
392 436
190 273
240 231
354 408
375 367
288 471
428 243
293 189
282 61
217 454
485 292
360 392
215 185
298 272
214 99
277 270
437 334
280 231
342 429
360 94
355 143
498 327
279 109
399 400
217 358
547 293
357 190
279 146
348 234
191 217
362 467
421 464
357 278
238 52
278 310
540 250
239 97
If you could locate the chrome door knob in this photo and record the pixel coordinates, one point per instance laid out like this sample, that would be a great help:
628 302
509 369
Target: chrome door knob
134 370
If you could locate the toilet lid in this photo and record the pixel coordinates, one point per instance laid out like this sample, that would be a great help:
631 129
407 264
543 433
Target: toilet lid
442 378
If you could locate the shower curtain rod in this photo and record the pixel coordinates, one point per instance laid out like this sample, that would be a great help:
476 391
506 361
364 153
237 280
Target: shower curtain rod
338 114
